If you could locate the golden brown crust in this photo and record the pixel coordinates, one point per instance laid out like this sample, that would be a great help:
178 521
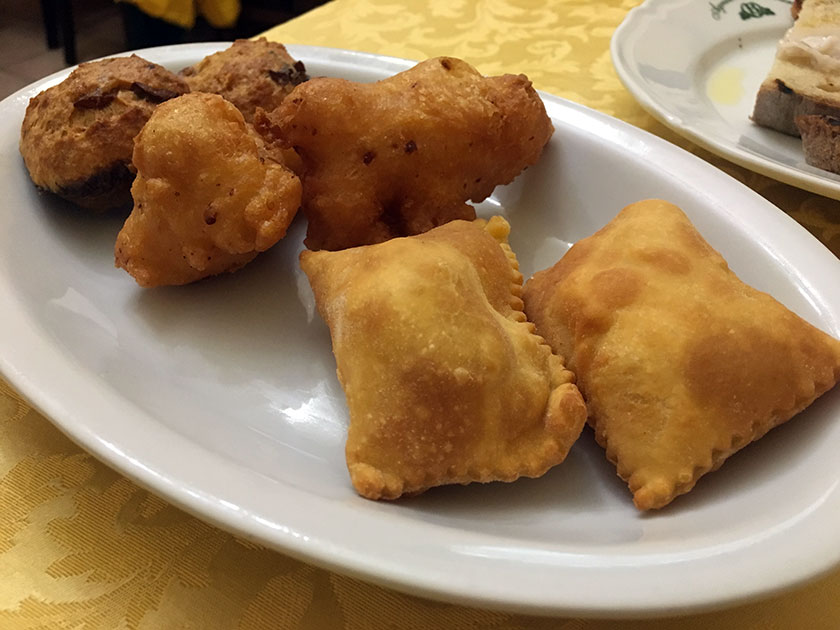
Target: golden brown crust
681 363
445 380
250 74
207 197
404 155
77 137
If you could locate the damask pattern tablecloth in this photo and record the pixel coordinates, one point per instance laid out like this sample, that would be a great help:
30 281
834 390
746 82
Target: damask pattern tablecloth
81 547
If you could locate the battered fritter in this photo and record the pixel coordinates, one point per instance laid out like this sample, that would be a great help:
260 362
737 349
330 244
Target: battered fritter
77 137
249 74
404 155
208 197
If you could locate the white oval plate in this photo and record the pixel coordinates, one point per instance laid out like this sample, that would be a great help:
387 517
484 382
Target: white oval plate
222 396
696 67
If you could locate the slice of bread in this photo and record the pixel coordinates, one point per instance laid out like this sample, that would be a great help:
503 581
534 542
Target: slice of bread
805 77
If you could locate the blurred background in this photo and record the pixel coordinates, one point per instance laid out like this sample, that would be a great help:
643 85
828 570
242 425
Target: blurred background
38 38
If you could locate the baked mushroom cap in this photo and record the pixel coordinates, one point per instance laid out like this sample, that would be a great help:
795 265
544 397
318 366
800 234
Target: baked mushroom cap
78 136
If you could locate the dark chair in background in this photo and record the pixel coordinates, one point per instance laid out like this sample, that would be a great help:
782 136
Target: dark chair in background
58 23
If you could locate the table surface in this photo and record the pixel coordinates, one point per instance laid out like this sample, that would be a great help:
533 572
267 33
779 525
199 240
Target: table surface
83 547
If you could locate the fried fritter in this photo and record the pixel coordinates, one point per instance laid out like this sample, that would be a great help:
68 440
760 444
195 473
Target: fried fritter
207 197
249 74
77 137
401 156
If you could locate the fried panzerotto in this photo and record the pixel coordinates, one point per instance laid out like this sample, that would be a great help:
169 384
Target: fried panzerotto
77 137
681 363
445 380
250 74
207 197
404 155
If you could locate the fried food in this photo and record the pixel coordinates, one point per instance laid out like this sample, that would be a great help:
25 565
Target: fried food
681 363
404 155
207 197
250 74
445 380
77 137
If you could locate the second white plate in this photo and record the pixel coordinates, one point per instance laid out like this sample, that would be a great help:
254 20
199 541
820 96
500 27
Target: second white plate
696 66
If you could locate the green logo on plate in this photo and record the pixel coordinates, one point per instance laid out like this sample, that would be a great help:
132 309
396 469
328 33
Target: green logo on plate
753 10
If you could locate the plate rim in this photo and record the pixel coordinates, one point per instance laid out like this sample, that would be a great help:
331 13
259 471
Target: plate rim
314 548
639 17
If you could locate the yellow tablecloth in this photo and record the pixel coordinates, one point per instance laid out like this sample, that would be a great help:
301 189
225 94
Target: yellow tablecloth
218 13
82 547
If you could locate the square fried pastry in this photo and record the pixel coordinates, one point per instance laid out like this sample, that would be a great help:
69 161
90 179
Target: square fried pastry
445 380
681 363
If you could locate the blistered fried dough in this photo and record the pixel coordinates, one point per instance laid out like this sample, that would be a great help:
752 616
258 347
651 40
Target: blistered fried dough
681 363
250 74
207 197
445 380
77 137
403 155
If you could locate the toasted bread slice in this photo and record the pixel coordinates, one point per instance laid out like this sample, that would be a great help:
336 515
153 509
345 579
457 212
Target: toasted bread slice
805 77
